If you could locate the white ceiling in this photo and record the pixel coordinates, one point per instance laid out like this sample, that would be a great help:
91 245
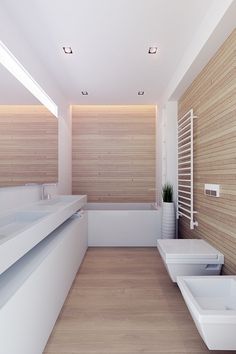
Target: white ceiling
110 40
12 91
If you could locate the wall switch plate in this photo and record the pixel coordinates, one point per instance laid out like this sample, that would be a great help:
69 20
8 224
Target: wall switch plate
212 190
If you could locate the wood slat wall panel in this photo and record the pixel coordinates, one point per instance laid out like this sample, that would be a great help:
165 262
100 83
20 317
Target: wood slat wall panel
212 95
113 153
28 145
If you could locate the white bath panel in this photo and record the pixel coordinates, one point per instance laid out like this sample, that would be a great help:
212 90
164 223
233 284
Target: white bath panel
112 225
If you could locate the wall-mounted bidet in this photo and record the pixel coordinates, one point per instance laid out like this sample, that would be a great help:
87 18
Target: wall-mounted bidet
189 257
212 304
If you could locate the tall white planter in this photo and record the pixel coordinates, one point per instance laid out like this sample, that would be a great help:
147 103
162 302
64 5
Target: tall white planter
168 220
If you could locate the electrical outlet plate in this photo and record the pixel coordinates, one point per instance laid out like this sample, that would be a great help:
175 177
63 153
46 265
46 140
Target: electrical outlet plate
212 190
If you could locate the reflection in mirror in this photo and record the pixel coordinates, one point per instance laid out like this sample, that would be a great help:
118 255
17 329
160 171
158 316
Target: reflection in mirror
28 136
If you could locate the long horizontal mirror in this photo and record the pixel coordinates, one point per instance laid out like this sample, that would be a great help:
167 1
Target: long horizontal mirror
28 136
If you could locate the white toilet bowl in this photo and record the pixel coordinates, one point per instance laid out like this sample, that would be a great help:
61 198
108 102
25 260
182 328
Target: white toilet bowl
212 304
189 257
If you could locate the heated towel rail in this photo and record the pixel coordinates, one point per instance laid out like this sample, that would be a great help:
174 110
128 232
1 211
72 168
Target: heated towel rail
185 168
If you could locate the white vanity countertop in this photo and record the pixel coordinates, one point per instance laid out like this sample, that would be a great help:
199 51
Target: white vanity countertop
23 228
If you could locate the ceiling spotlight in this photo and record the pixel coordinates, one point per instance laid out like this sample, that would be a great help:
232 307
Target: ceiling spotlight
152 50
68 50
84 93
140 93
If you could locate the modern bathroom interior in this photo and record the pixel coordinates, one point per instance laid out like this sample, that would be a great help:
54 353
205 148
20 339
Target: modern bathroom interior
117 176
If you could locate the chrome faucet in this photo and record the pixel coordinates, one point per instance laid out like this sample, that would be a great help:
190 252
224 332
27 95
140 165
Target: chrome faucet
46 195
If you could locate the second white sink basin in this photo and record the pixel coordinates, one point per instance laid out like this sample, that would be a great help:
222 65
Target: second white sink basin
21 230
17 221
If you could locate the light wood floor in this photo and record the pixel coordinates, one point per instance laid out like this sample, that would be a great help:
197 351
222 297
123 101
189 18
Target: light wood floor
123 302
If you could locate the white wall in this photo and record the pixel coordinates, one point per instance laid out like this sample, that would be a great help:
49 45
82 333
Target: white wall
65 152
169 144
168 118
158 156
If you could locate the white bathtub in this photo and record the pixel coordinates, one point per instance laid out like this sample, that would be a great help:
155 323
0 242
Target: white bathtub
123 224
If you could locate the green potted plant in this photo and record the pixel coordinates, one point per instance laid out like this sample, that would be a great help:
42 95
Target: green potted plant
168 212
167 193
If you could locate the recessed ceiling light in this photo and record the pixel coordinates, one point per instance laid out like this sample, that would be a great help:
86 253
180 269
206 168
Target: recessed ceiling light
68 50
140 93
84 93
152 50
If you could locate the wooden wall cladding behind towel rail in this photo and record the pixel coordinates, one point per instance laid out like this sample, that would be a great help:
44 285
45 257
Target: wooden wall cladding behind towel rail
212 95
28 145
114 153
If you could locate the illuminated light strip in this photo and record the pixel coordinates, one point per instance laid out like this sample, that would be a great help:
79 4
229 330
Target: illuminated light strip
9 61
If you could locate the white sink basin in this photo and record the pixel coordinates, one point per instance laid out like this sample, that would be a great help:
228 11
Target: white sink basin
58 200
21 230
211 301
15 222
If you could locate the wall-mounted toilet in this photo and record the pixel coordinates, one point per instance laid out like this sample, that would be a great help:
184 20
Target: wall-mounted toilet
189 257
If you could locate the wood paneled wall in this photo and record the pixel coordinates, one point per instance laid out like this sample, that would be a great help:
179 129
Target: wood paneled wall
114 153
213 97
28 145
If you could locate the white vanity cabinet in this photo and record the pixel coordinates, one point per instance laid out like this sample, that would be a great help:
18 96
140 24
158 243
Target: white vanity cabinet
33 290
